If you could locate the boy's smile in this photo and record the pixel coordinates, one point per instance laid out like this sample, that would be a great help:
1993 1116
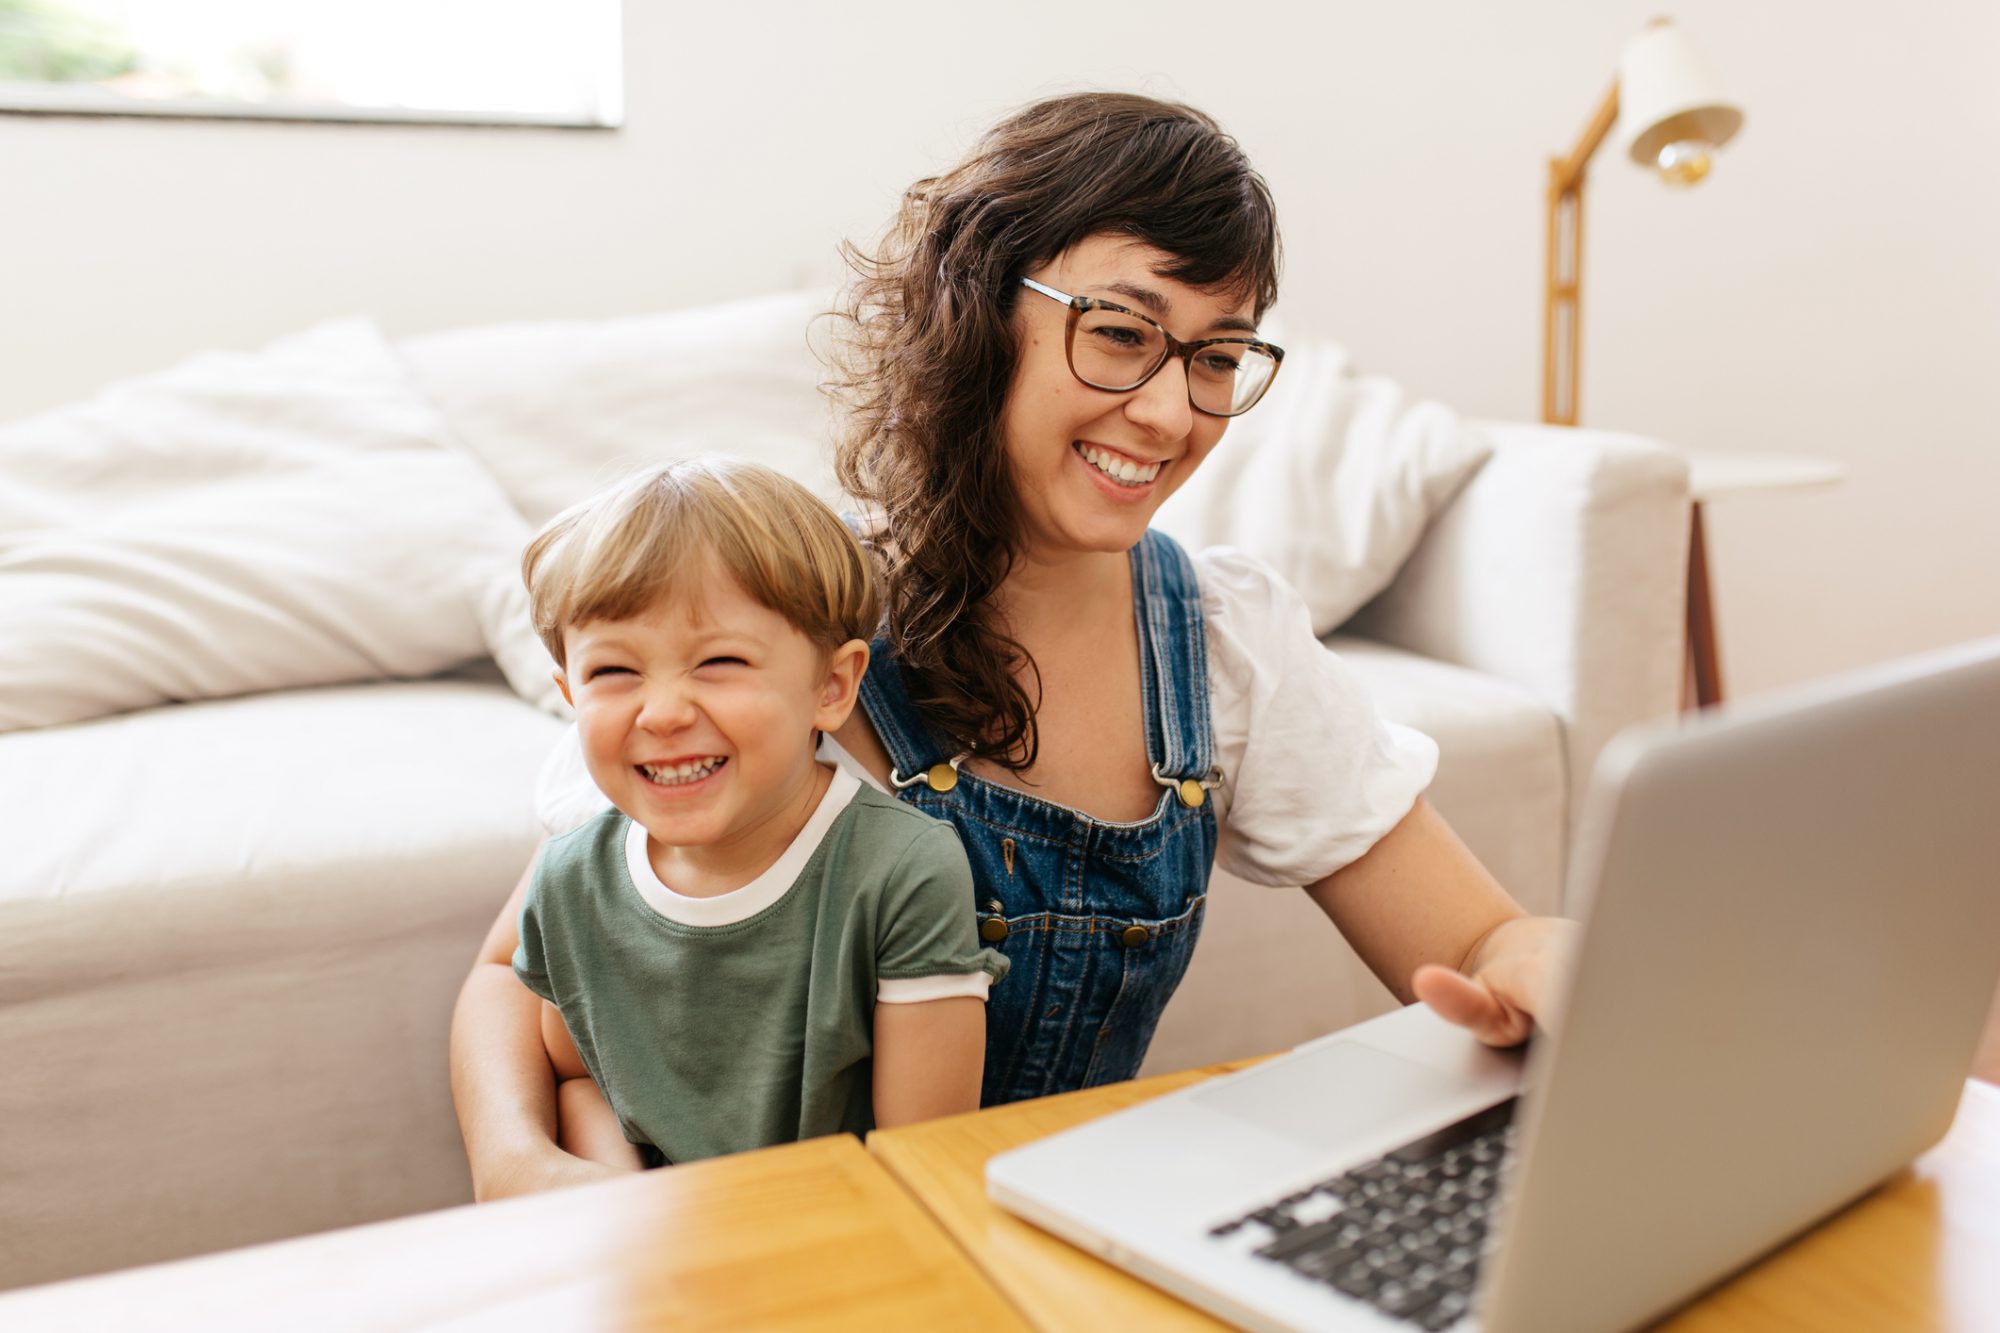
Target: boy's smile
697 719
682 772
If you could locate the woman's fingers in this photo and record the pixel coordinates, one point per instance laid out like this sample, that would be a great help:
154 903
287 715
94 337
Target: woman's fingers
1471 1004
1456 997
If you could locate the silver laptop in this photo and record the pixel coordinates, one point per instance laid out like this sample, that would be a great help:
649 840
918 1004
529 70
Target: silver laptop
1792 933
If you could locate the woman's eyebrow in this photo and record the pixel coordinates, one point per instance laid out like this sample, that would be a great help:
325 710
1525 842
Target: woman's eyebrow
1145 296
1161 307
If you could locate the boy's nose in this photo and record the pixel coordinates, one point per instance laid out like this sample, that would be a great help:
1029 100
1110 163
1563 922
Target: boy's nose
667 708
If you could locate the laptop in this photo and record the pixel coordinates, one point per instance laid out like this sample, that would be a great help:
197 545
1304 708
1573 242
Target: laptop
1791 936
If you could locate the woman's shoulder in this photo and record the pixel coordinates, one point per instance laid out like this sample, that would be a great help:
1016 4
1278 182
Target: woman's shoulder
1247 603
1295 728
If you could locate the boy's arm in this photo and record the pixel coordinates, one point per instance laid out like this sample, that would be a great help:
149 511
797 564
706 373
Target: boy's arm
930 1053
501 1081
928 1059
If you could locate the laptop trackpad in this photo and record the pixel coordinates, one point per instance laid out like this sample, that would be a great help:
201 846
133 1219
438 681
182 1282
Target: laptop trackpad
1329 1095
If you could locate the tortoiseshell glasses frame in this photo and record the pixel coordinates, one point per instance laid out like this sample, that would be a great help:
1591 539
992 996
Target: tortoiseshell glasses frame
1134 347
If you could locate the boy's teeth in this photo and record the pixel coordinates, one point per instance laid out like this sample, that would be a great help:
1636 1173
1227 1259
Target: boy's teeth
1119 469
669 774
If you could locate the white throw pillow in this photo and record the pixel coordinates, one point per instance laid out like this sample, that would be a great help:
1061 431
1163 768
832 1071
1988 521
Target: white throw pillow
1332 479
243 522
559 410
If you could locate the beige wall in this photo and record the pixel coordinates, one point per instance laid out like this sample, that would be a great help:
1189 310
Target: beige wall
1834 290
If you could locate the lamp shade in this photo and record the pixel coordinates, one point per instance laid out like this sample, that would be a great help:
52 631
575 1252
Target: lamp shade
1666 98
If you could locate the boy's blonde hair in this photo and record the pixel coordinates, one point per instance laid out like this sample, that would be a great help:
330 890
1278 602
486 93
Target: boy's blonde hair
662 531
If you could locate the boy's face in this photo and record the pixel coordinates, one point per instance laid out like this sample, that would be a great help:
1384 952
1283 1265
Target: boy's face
697 720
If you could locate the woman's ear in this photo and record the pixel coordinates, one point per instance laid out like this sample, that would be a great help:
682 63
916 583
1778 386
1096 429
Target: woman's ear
842 685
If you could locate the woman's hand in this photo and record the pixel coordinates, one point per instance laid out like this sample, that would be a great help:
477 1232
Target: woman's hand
1512 983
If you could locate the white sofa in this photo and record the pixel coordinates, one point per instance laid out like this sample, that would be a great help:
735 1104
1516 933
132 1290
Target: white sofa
231 931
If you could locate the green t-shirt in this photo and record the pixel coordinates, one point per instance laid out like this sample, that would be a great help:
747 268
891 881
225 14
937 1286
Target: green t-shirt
715 1038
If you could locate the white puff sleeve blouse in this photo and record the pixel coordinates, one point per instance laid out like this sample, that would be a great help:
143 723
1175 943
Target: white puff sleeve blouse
1313 775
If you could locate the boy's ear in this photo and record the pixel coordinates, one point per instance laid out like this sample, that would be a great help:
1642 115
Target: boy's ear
562 683
842 686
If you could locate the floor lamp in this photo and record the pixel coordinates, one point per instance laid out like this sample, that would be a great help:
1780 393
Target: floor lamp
1676 123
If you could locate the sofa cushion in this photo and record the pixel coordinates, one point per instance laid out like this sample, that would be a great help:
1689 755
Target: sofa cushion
557 410
251 790
230 936
243 522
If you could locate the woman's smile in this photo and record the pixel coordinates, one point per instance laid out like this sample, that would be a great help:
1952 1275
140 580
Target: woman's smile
1117 476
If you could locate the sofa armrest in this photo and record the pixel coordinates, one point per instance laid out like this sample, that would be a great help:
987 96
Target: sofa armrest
1562 566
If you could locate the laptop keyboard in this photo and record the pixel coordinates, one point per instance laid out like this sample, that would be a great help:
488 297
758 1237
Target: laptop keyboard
1404 1232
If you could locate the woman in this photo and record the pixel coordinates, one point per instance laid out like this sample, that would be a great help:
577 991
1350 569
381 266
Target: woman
1049 340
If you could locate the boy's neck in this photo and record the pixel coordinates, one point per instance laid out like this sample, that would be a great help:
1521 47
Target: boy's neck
713 869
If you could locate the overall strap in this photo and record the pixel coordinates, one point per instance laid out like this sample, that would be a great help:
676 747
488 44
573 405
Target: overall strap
912 749
1167 599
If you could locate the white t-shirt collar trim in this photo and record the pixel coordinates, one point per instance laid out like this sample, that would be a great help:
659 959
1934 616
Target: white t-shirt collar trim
727 909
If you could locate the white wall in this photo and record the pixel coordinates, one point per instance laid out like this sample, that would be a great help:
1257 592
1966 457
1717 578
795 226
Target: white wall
1833 290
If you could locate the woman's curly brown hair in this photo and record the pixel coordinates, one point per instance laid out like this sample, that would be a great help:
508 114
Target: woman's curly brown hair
928 351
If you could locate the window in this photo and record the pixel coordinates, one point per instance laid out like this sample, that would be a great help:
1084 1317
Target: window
479 62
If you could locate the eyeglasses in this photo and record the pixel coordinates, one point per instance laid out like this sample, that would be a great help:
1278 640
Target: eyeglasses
1112 348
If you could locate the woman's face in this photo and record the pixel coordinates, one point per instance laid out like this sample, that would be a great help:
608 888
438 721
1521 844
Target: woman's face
1067 441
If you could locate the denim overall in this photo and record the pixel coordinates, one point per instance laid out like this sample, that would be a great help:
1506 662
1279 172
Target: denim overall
1097 918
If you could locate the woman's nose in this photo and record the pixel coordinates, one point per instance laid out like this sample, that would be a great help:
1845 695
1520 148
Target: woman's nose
1161 404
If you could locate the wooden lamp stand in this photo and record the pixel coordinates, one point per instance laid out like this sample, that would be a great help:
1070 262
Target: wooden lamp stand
1680 123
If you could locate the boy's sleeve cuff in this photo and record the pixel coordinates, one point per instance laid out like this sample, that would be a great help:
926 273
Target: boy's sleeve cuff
916 990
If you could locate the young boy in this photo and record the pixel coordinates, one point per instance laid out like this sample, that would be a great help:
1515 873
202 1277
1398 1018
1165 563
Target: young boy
750 947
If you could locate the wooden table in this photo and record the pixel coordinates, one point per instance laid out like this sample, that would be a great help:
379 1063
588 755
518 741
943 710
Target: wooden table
1922 1253
808 1235
820 1235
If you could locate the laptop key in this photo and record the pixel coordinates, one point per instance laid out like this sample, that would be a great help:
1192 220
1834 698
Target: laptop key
1450 1308
1403 1301
1298 1240
1397 1269
1275 1218
1319 1264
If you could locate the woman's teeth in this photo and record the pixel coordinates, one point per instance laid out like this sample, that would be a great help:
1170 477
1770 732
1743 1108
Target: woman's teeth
672 775
1121 470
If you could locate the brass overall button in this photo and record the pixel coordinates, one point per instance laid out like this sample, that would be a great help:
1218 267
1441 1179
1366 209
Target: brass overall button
992 929
1192 793
1134 936
941 777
